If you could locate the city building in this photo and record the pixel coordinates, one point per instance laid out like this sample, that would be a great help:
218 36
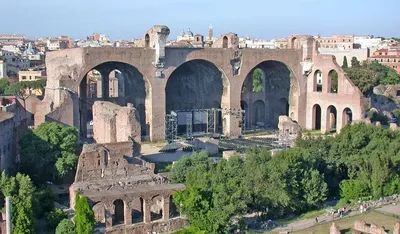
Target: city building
14 63
185 36
7 140
12 39
53 44
364 42
336 42
360 54
31 75
3 69
11 48
13 124
281 43
257 43
389 57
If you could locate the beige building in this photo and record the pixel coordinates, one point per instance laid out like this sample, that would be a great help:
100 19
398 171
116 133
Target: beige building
7 139
31 75
336 42
360 54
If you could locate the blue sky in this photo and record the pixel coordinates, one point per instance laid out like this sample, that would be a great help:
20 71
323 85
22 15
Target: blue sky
268 19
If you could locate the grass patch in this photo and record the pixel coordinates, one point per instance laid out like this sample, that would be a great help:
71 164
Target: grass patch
346 224
163 167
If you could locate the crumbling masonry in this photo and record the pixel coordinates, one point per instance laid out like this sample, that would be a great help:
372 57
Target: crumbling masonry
126 195
297 83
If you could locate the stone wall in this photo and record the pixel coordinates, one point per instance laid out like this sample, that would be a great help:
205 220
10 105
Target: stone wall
113 123
334 229
372 228
157 63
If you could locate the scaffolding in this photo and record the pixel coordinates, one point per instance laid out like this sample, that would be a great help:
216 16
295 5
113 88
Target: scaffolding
189 126
211 122
171 124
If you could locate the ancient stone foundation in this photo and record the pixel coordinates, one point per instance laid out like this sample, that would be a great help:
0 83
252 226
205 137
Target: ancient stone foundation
363 227
334 229
113 123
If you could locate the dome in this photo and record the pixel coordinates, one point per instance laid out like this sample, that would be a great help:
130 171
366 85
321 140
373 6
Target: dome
189 33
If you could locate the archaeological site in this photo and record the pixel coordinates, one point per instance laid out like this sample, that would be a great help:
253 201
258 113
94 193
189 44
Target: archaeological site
310 88
125 193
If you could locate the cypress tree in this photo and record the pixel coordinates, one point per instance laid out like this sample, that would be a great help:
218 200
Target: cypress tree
345 65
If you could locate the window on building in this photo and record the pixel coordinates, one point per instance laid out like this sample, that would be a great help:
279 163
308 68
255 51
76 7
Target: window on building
380 53
381 60
388 60
24 77
343 40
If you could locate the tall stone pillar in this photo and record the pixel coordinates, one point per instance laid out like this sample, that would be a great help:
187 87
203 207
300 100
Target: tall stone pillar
146 211
339 121
105 84
324 120
165 208
231 109
156 109
127 213
83 108
108 215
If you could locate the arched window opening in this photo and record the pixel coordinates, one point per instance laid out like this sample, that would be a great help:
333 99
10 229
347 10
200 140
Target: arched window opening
225 42
331 118
156 208
147 40
257 78
317 81
137 211
316 117
258 114
173 210
333 81
347 116
118 216
116 84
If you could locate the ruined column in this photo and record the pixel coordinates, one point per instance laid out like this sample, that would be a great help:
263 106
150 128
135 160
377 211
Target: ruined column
83 108
127 214
165 208
108 215
156 109
105 84
231 109
339 120
146 211
324 120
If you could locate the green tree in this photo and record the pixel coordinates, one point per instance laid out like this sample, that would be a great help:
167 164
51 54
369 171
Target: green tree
84 216
48 151
66 226
257 80
21 89
396 113
345 62
4 83
355 62
364 79
21 191
54 217
315 188
392 77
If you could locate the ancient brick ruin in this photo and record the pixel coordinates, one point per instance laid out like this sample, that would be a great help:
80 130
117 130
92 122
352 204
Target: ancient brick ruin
297 82
126 195
372 228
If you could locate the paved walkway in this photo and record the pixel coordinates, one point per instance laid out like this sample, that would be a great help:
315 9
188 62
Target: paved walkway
307 223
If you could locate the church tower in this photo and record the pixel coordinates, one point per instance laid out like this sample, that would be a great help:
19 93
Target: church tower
210 32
